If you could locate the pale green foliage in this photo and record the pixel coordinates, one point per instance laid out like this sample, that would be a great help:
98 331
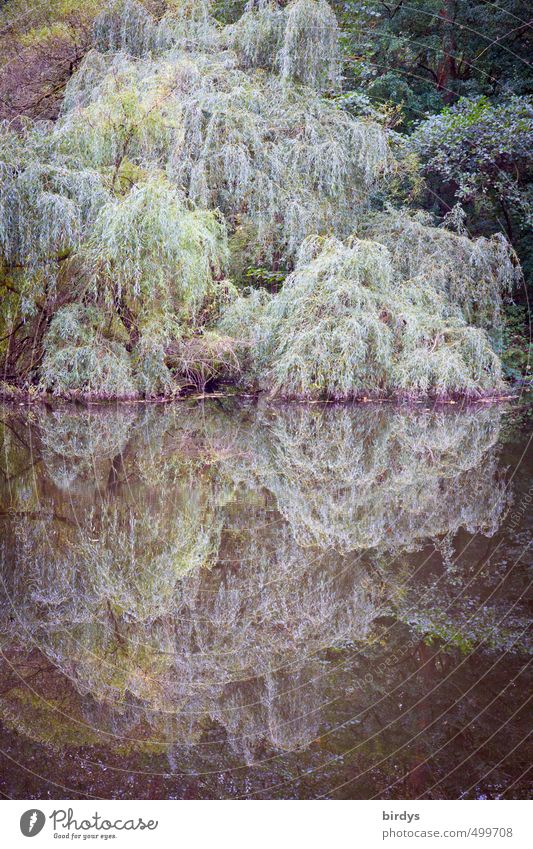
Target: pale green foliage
472 274
258 35
152 374
176 133
379 479
150 247
79 359
46 204
152 259
279 158
310 51
124 26
127 27
348 323
190 25
269 154
179 520
117 115
300 41
246 319
167 366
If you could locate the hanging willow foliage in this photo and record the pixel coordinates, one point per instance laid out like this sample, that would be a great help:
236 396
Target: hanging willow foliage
472 274
300 41
276 158
81 355
47 202
176 133
350 321
148 247
119 570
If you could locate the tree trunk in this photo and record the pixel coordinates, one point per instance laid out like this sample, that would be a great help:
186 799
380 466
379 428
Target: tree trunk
447 69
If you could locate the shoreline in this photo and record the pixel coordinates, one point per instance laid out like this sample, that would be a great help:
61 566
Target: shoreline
19 397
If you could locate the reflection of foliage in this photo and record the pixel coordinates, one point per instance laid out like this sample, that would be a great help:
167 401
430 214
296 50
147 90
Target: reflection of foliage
107 572
175 650
354 480
71 443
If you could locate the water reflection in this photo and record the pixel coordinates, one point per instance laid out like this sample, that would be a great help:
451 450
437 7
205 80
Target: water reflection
224 600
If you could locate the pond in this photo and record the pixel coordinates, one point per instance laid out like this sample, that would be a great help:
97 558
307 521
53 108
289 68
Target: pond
236 599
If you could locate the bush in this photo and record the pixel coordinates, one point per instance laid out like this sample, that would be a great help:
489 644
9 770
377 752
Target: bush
516 344
481 148
151 247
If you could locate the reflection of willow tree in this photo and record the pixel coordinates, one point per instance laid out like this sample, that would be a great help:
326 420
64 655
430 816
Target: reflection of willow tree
72 452
187 567
385 480
220 644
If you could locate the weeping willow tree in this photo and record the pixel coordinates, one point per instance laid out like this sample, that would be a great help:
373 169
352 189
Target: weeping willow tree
380 316
187 152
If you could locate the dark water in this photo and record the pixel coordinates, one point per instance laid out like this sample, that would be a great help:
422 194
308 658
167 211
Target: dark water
217 600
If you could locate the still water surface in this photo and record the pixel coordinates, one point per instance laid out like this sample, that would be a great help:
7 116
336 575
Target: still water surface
226 600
